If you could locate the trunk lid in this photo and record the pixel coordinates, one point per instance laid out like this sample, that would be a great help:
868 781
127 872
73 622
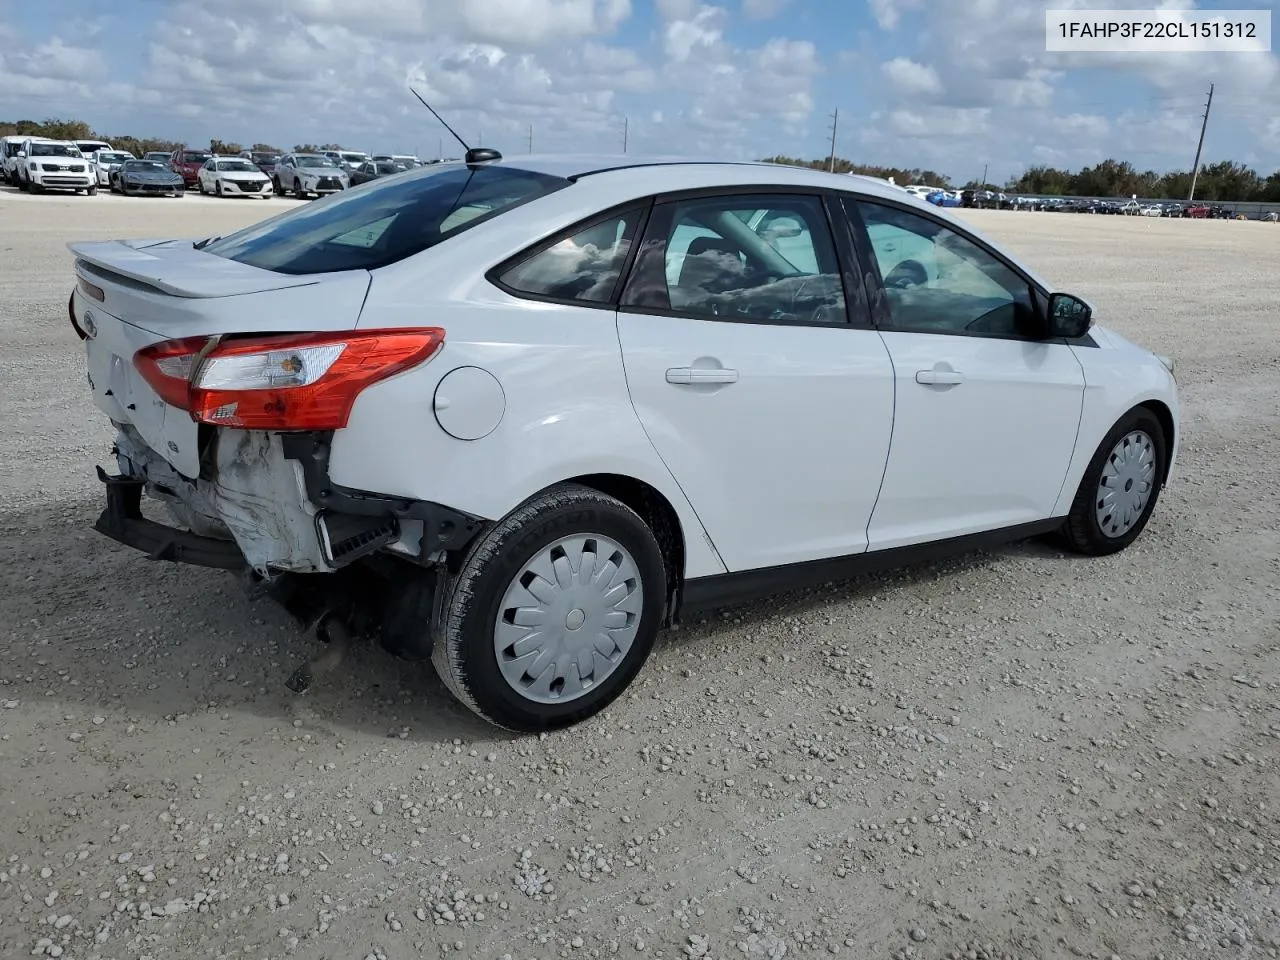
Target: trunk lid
166 290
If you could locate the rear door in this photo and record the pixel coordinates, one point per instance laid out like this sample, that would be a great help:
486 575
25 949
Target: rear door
754 369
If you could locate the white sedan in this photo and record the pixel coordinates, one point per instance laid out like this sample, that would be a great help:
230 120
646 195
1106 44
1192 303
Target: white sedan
107 163
517 416
233 177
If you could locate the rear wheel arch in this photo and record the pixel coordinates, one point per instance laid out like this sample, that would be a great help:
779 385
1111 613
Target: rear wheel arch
660 516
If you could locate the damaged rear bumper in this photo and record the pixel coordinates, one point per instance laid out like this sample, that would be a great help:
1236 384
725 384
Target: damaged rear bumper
265 502
122 521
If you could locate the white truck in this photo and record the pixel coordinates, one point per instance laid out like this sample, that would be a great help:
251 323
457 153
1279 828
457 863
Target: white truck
54 165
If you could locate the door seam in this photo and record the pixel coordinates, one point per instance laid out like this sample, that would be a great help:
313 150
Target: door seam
893 429
622 359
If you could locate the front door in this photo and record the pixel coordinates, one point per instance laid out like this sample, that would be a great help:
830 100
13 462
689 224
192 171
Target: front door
767 395
987 413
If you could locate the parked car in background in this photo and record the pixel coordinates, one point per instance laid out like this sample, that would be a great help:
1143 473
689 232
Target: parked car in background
304 174
233 177
55 165
10 147
943 198
89 148
148 178
331 403
979 199
264 160
347 160
188 163
407 161
159 155
374 169
105 162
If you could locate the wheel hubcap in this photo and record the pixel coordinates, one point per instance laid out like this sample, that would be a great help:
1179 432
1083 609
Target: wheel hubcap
568 619
1128 478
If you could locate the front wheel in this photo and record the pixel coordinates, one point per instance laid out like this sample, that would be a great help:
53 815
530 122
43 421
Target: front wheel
554 611
1120 487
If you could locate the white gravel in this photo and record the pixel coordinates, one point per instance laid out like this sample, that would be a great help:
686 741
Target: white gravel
1016 754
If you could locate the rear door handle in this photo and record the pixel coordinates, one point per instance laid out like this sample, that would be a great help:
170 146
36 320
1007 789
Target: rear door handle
939 376
701 375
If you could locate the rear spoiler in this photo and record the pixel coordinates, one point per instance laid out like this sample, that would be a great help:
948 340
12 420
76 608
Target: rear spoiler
175 268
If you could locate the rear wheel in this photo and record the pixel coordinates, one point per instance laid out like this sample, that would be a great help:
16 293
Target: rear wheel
1120 487
554 612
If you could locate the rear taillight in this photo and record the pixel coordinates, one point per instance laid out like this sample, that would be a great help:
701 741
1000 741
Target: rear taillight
167 368
287 382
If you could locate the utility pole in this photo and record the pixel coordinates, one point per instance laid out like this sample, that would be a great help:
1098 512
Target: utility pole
626 123
1195 168
531 138
831 157
983 184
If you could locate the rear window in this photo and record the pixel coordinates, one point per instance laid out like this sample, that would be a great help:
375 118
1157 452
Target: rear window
195 157
384 221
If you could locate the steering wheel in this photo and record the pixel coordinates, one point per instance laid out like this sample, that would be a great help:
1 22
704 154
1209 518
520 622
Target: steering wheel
908 273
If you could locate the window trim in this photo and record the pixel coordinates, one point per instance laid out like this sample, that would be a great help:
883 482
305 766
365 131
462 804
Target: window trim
823 195
642 206
878 308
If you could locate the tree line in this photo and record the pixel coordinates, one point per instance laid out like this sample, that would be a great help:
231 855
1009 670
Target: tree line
1225 181
79 130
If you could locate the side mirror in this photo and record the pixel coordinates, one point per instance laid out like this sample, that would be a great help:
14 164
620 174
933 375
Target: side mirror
22 154
1069 316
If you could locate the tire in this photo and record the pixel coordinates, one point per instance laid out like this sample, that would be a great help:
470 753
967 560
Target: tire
276 188
297 189
489 583
1092 530
92 191
217 188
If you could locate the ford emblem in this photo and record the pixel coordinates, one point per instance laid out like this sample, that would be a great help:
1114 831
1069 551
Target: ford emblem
90 325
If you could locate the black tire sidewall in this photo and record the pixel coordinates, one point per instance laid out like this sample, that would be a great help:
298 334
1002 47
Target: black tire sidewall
475 617
1086 520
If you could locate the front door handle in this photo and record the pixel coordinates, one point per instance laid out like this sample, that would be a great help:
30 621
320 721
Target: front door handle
701 375
932 377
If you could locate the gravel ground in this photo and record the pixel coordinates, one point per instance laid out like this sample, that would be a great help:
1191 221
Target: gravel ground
1014 754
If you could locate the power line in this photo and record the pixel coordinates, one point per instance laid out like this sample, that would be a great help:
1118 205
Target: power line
1195 169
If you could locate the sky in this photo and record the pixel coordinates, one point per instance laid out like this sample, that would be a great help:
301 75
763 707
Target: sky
956 86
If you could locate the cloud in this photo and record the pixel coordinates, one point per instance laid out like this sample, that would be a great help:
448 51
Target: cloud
296 71
910 77
949 86
762 9
980 75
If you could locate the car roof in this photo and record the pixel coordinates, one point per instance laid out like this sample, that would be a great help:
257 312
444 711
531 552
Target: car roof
698 171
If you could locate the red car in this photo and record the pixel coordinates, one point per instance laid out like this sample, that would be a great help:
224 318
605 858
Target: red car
188 163
1198 211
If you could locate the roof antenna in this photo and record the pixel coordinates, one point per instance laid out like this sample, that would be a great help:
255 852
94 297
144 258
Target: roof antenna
473 154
